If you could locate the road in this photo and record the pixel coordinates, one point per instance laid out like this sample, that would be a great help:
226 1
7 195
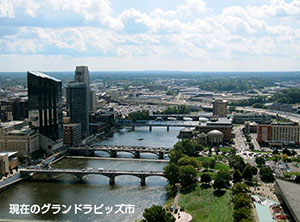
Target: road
287 115
242 147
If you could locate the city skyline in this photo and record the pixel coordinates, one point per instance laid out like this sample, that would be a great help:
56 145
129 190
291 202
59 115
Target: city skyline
190 35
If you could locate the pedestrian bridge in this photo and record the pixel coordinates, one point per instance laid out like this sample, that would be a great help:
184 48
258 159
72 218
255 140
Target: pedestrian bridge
79 174
113 150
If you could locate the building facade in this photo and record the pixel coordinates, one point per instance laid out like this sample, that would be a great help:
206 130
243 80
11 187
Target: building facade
17 136
72 134
45 104
77 105
240 118
279 134
82 75
220 108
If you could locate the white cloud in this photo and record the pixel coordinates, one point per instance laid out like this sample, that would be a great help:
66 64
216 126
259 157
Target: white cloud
187 32
7 9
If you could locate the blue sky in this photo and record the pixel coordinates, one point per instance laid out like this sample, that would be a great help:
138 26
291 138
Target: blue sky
198 35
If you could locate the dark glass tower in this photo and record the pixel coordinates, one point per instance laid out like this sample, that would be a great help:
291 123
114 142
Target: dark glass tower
77 103
45 104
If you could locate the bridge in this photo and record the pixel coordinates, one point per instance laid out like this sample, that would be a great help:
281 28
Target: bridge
113 150
151 124
194 116
79 174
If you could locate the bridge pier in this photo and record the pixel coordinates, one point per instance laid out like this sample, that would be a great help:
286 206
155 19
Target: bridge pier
113 153
143 181
79 177
91 153
168 128
49 176
160 155
150 128
137 154
112 181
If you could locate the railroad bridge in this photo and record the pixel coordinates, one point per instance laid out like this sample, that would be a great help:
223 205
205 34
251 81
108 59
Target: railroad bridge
113 150
79 174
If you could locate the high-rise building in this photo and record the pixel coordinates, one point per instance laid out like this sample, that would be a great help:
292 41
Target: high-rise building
77 105
93 101
45 104
13 109
82 75
220 108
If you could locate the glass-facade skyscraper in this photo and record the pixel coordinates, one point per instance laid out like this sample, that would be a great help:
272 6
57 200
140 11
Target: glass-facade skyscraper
77 104
45 104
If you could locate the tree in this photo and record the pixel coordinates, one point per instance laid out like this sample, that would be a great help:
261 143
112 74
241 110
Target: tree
171 173
297 179
186 147
208 163
237 162
242 214
241 200
186 160
205 178
219 184
247 173
260 161
254 170
187 175
284 157
287 152
175 155
157 213
275 152
240 188
237 176
266 175
139 115
225 175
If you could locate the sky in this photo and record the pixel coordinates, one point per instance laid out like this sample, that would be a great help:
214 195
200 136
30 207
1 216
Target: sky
116 35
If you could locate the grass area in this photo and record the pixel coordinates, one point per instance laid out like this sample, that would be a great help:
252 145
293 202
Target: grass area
211 174
205 206
203 158
218 166
258 151
226 149
221 166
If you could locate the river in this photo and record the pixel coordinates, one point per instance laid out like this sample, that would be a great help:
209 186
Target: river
95 190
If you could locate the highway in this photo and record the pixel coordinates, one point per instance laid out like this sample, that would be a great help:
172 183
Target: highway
288 115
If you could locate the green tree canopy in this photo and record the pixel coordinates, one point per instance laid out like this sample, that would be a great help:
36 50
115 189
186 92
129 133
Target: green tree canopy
157 213
171 171
188 175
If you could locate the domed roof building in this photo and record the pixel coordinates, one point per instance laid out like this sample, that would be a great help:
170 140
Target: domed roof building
215 137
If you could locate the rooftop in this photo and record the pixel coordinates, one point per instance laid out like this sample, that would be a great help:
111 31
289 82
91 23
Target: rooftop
291 193
10 124
43 75
8 153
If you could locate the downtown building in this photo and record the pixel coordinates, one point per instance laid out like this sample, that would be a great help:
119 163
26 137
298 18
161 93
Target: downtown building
19 137
82 75
77 105
279 134
220 108
45 109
